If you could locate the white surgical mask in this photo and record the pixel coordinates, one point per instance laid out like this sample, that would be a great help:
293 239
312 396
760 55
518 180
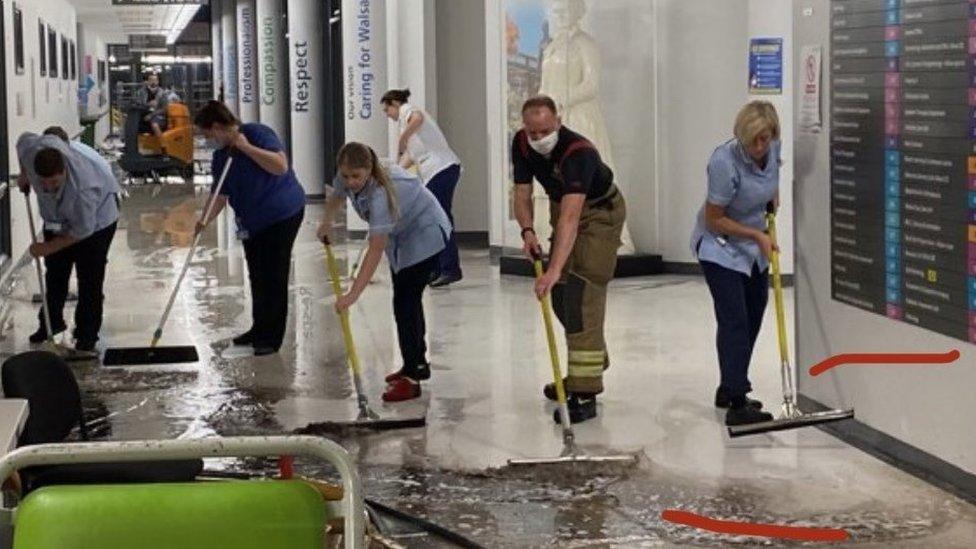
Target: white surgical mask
545 145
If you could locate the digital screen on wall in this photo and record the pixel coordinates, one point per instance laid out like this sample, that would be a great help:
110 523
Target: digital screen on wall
903 161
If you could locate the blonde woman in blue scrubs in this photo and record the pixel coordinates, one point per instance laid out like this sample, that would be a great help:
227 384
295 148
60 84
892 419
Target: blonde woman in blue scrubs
732 246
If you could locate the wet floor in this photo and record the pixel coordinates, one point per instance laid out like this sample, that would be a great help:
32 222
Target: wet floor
483 404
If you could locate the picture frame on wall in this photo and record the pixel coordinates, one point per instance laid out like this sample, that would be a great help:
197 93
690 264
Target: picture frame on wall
42 42
52 52
65 63
19 60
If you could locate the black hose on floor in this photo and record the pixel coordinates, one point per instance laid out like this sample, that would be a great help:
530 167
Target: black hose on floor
372 506
426 525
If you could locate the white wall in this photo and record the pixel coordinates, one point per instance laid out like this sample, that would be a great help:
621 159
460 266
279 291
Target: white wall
702 77
410 55
774 19
461 105
35 102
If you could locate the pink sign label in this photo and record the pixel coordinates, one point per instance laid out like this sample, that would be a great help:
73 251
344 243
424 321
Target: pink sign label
892 80
892 128
892 111
972 182
972 45
894 311
972 27
893 33
891 96
972 97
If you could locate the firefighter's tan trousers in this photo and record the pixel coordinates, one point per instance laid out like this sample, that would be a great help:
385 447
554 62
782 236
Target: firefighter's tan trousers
580 297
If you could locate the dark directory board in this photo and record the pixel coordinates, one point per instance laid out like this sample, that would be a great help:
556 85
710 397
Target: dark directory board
903 160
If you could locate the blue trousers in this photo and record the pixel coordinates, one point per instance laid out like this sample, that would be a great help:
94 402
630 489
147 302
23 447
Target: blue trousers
442 186
740 302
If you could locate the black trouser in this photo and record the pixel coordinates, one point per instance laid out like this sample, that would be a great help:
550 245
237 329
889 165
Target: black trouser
88 257
740 302
408 309
442 186
268 255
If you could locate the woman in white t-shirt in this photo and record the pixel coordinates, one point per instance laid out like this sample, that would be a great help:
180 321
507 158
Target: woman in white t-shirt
423 144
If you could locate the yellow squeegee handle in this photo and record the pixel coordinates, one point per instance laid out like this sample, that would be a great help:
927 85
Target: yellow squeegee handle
344 315
544 302
784 352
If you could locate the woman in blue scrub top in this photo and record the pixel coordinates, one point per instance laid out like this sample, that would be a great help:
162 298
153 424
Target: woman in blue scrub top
407 222
733 249
269 205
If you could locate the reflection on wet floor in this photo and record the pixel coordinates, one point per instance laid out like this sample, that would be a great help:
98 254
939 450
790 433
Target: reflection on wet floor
482 405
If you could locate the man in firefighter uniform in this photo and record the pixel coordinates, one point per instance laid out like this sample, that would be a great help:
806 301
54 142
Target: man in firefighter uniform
587 218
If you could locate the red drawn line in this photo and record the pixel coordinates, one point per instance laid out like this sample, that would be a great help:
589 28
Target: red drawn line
882 358
797 533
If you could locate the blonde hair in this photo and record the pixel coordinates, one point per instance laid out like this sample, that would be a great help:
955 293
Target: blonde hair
754 119
358 156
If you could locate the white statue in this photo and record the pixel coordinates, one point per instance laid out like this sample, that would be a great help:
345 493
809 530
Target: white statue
571 76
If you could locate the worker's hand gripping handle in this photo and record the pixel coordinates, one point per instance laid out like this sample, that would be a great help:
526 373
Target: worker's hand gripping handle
537 262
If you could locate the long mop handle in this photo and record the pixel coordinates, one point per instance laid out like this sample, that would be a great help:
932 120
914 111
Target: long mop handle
784 352
37 263
557 375
189 255
351 353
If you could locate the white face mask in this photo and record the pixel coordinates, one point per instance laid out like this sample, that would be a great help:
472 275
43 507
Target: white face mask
545 145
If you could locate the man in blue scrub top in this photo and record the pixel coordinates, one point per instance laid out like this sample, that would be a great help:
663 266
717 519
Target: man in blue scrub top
76 196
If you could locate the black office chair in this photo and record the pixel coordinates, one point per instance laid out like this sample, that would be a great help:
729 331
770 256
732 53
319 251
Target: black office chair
54 401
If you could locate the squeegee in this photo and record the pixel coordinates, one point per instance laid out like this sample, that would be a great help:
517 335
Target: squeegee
791 416
140 356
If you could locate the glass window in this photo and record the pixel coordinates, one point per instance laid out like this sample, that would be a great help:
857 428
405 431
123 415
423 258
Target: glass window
52 52
42 39
18 40
74 61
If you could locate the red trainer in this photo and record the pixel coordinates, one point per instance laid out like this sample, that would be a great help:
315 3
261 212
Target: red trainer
402 388
420 373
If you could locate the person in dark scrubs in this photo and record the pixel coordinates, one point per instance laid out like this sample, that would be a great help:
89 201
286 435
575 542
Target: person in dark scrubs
269 205
732 246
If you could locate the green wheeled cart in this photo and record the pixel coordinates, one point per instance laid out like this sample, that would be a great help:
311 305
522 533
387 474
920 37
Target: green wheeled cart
232 514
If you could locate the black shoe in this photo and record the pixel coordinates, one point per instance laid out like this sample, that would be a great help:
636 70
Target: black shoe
723 401
549 391
85 345
244 339
745 415
264 351
40 336
445 280
581 408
